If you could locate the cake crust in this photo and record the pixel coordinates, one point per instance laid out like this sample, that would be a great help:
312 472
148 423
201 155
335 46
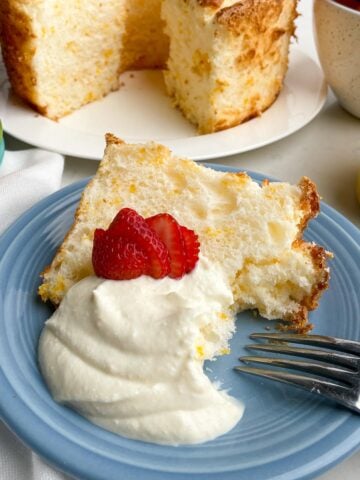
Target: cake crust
257 12
16 37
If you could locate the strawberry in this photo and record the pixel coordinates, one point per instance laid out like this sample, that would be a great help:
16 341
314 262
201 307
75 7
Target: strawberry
115 258
192 248
132 226
169 231
134 246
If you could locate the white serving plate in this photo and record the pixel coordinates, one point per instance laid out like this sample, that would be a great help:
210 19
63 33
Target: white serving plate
141 111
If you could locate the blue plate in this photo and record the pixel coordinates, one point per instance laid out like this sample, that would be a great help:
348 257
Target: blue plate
285 433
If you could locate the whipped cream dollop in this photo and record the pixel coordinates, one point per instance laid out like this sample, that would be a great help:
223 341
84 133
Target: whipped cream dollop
128 355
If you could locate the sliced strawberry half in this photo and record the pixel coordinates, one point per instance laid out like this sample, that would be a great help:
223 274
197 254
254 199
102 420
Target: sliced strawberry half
169 231
192 247
132 246
116 258
133 227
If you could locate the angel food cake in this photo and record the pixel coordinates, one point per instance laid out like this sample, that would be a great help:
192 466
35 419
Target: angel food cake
162 254
224 61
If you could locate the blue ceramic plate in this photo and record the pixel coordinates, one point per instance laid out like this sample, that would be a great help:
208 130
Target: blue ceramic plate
285 433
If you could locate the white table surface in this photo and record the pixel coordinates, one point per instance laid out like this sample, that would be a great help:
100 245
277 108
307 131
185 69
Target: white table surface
327 150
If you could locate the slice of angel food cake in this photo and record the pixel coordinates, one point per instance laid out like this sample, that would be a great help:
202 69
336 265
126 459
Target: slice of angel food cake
162 254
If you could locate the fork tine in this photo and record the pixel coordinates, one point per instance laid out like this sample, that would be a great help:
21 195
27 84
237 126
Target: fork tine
349 346
328 389
342 374
338 358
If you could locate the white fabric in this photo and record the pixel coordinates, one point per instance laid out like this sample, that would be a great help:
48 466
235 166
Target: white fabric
25 178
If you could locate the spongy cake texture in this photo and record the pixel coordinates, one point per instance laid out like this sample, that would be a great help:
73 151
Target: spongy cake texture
224 60
253 231
228 59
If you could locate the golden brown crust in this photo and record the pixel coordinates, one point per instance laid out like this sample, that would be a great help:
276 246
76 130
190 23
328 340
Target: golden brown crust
298 322
111 139
257 13
225 123
309 202
319 257
18 49
310 206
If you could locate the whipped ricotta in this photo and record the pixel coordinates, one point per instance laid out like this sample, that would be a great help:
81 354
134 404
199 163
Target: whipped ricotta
128 355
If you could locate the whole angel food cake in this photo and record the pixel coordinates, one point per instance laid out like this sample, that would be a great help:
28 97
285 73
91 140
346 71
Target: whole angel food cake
224 61
162 254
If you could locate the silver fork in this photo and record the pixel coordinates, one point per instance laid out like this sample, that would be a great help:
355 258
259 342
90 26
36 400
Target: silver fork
341 366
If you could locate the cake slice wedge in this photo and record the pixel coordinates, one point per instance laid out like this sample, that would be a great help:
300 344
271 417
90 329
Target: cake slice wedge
253 232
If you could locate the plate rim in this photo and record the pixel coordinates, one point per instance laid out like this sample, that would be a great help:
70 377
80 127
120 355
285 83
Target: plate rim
14 422
179 146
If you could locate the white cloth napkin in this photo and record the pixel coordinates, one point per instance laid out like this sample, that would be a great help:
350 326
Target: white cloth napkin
25 178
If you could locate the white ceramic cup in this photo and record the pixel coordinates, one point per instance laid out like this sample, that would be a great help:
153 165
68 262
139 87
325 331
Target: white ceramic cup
337 36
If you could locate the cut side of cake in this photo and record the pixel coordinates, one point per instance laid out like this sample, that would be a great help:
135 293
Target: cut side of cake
224 61
227 59
253 232
61 55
